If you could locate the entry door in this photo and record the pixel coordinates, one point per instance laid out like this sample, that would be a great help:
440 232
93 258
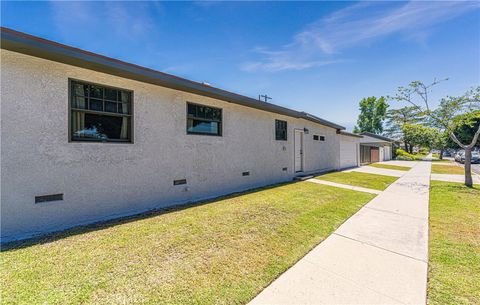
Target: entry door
375 154
298 143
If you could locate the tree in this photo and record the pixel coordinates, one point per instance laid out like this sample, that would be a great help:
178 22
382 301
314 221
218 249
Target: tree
423 136
396 119
372 114
417 95
466 125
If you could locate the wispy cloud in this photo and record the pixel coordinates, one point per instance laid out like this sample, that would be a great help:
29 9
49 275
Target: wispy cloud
119 21
321 42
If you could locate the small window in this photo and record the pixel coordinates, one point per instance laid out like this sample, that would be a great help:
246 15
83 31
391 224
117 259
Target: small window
204 120
315 137
280 130
322 138
99 113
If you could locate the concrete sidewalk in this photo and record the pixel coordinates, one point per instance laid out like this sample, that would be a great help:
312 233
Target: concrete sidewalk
344 186
377 171
378 256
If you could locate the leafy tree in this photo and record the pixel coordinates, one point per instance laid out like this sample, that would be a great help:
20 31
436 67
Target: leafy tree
417 95
466 125
396 119
423 136
372 114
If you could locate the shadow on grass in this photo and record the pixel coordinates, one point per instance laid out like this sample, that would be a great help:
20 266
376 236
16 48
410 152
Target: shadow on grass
82 229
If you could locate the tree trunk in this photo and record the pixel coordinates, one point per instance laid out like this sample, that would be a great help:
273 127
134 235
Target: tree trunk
411 149
441 154
468 167
406 146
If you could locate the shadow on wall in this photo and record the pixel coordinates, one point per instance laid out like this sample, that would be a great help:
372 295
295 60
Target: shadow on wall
51 237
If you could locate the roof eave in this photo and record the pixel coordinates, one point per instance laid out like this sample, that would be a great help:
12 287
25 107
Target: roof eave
30 45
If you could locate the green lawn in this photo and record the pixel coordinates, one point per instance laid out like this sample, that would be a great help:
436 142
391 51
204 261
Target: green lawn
390 166
454 248
222 252
447 169
371 181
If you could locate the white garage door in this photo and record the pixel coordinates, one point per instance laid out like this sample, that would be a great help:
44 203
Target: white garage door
348 154
387 153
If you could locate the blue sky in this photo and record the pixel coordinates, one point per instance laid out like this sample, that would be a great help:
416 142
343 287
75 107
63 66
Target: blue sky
319 57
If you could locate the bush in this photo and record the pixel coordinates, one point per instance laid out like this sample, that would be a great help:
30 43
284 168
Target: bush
405 156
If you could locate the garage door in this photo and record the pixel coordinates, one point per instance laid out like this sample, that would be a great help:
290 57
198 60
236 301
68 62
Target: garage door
348 154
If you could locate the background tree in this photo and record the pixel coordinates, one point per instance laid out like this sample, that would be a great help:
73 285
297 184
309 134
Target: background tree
421 136
466 125
396 119
417 95
372 114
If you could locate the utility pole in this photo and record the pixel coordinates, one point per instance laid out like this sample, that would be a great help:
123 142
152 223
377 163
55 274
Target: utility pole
264 98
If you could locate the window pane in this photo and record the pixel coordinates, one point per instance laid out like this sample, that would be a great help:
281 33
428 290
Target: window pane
192 110
99 127
124 108
96 105
79 102
197 126
125 96
80 89
111 94
110 106
96 91
200 112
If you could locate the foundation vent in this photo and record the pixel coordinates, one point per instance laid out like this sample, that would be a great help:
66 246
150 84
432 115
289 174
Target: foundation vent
180 182
246 174
285 169
46 198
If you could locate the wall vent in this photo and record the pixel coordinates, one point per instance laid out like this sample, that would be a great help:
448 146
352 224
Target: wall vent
246 174
46 198
180 182
284 169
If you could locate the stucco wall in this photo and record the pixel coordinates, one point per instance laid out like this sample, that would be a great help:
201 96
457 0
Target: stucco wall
107 180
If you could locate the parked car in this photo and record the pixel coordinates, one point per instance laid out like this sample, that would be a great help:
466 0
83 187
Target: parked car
459 155
475 158
446 153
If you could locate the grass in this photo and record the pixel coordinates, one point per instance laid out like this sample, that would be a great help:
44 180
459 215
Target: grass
436 155
454 247
222 252
447 169
371 181
390 166
443 161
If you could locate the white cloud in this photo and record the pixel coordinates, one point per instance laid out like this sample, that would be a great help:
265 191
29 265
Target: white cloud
111 20
357 24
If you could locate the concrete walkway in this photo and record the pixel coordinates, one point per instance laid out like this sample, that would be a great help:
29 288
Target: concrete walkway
344 186
378 256
377 171
455 178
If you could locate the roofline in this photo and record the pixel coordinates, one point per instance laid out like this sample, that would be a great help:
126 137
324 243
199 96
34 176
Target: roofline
35 46
369 134
346 133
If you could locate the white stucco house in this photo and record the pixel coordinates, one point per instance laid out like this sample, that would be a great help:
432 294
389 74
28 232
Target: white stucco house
86 138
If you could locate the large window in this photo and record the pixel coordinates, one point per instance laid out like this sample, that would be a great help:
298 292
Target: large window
99 113
280 130
204 120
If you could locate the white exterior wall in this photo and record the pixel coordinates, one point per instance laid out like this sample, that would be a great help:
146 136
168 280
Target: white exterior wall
106 180
349 151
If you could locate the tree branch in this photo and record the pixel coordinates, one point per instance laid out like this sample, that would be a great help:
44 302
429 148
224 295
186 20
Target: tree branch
475 138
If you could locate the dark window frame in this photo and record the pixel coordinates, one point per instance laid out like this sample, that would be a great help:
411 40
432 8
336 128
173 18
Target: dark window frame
130 131
284 135
220 121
